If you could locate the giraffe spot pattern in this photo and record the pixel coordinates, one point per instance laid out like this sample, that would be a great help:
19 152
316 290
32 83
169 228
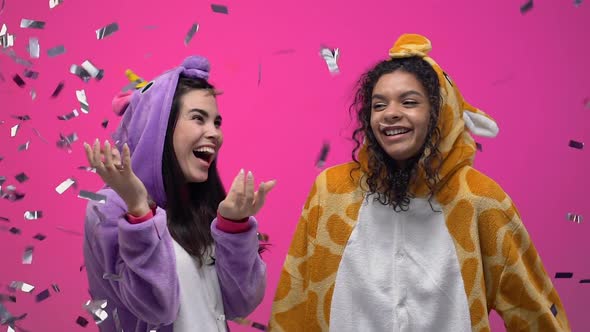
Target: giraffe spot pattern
328 304
338 229
477 312
338 180
352 211
469 271
459 224
507 251
284 287
514 292
490 222
324 263
299 243
530 259
517 324
480 185
310 197
315 213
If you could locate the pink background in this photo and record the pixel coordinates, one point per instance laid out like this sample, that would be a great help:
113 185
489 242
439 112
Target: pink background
528 71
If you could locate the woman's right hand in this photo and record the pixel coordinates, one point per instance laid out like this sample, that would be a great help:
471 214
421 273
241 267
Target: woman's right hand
115 170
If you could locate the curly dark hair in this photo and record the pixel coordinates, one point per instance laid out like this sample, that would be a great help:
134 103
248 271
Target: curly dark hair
387 180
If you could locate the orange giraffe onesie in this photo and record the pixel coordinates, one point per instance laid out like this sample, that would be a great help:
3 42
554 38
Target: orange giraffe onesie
463 254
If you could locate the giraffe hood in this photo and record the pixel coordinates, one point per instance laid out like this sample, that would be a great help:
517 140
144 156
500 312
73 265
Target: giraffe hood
457 121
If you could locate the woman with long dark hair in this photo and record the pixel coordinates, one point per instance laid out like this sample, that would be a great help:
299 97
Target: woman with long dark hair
169 250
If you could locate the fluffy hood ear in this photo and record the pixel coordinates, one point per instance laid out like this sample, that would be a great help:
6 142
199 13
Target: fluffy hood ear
145 114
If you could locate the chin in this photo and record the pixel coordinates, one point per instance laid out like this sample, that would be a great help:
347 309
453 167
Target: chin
198 179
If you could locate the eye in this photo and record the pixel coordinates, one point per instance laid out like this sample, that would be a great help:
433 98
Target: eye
410 103
217 123
198 118
147 87
379 106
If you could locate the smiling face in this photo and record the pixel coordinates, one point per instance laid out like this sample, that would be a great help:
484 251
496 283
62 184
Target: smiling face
400 115
197 136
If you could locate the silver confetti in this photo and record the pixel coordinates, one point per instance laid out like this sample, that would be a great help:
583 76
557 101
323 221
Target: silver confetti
285 51
4 219
32 24
189 35
39 135
111 276
33 94
14 130
92 196
24 146
69 231
22 117
22 286
34 48
31 74
42 296
331 58
105 123
21 177
526 7
33 215
18 80
92 70
6 39
221 9
575 218
54 3
321 161
587 103
65 185
39 237
81 95
80 72
107 31
2 4
28 255
577 3
69 116
55 51
96 309
10 52
87 169
576 145
65 142
55 288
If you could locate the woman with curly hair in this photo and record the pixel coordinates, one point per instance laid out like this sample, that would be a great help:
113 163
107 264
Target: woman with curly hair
409 236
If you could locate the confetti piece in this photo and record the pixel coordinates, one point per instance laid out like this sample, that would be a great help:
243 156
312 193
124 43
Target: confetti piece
91 69
118 326
107 31
6 39
247 322
4 219
32 24
33 215
81 96
42 296
28 255
150 27
221 9
321 161
526 7
71 115
24 146
262 237
55 51
4 297
81 321
34 48
65 185
31 74
14 231
575 218
65 142
21 177
80 72
259 73
587 103
111 276
96 309
585 281
576 145
57 90
65 230
105 123
285 51
22 117
33 94
16 58
55 288
54 3
87 169
331 58
479 147
92 196
554 310
2 6
189 35
577 3
18 80
39 237
14 130
564 275
21 286
39 135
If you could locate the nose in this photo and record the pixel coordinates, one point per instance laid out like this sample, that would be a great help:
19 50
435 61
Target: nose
213 133
392 113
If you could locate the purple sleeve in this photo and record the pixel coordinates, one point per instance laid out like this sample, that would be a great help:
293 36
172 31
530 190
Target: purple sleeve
141 255
241 271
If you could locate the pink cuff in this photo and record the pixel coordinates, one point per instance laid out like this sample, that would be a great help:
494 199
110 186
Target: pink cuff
232 226
136 220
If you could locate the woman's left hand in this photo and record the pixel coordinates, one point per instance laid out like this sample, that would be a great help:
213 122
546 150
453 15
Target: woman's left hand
242 201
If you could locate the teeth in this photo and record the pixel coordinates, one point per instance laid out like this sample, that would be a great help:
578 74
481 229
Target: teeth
398 131
206 150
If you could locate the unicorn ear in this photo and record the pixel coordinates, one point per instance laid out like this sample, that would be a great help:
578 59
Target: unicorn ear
479 124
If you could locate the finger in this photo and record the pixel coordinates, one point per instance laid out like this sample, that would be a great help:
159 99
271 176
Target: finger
126 157
88 151
108 155
249 190
263 190
237 187
116 157
97 160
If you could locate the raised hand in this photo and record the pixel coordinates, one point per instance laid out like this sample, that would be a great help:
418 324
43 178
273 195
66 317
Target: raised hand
115 170
242 201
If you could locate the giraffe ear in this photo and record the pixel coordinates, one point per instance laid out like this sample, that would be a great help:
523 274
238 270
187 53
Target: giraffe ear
480 124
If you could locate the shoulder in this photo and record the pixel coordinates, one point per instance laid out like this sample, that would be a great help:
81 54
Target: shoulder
339 179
